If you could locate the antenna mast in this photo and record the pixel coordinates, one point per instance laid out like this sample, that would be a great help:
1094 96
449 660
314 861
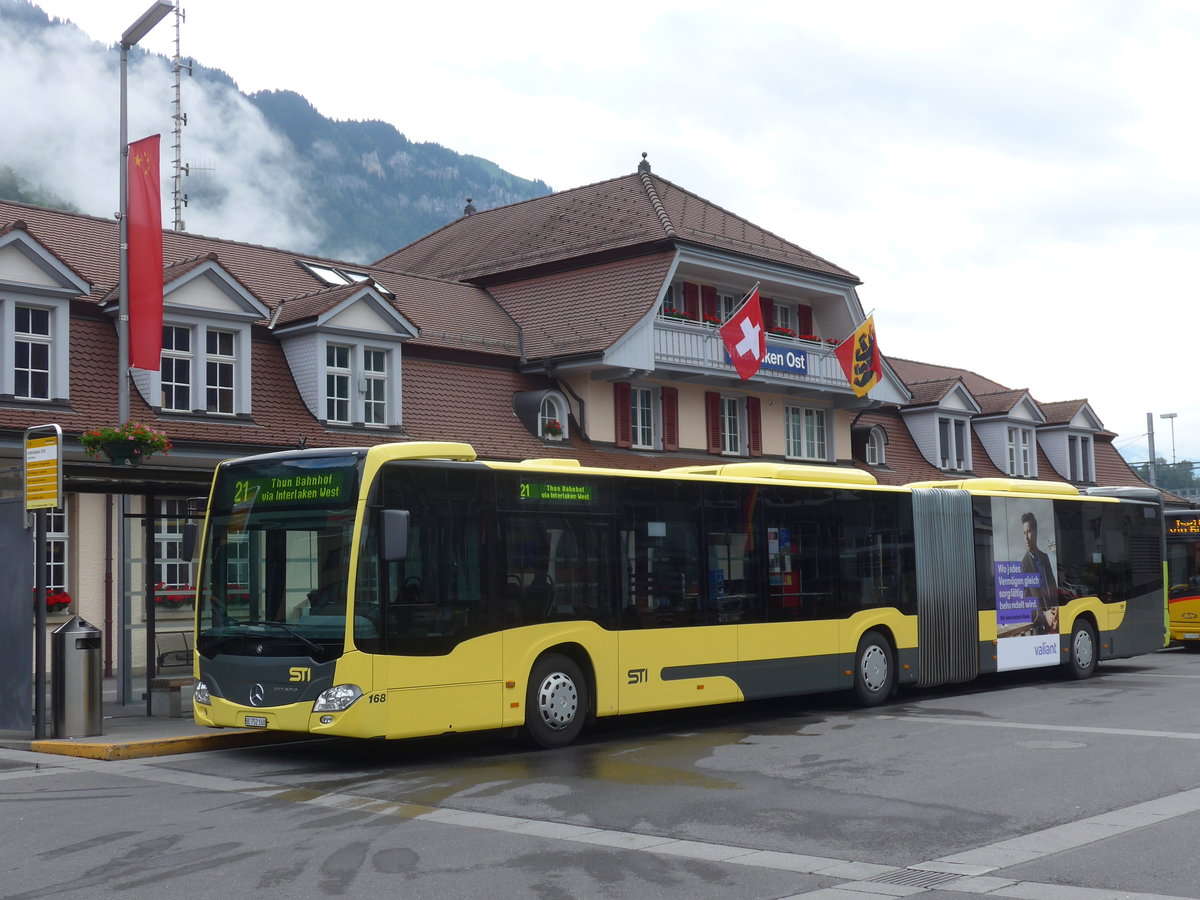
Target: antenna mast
180 117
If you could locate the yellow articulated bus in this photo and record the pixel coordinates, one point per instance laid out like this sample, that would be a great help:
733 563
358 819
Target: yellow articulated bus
409 589
1183 576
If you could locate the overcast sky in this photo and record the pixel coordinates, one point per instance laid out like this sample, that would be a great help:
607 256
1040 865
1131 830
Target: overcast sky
1016 184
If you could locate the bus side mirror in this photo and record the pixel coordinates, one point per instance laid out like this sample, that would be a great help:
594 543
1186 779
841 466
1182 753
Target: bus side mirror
394 537
187 544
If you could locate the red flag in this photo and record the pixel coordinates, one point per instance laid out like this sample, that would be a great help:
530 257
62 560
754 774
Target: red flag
745 337
859 356
145 267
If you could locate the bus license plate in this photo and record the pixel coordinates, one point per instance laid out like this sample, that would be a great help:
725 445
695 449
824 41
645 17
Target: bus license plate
256 721
1191 637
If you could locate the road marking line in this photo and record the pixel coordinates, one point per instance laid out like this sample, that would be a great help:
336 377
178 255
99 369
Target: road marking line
1034 726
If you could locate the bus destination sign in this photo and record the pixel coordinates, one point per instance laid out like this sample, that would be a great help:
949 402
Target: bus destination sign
300 488
540 490
1184 526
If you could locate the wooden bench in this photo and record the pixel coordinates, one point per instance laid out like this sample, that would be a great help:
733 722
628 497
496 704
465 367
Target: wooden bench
172 696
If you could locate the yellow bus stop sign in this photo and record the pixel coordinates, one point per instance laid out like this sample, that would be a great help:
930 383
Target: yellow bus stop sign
43 467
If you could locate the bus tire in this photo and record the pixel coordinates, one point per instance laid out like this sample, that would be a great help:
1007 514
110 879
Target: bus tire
556 702
874 671
1084 651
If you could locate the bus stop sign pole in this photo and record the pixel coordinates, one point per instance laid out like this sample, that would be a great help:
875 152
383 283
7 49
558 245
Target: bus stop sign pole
43 491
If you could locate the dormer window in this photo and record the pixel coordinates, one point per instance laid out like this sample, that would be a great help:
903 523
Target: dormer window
213 376
357 385
953 445
1020 452
876 448
552 420
1079 458
31 357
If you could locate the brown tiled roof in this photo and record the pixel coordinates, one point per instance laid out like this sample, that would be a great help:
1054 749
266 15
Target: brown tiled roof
912 372
297 309
449 314
928 392
632 211
1062 412
584 310
999 401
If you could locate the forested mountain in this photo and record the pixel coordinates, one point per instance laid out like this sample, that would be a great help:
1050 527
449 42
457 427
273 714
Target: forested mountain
265 167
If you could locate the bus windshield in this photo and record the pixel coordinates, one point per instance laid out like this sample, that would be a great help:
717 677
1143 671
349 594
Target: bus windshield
276 556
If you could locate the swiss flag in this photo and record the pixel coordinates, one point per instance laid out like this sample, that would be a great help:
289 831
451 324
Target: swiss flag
745 337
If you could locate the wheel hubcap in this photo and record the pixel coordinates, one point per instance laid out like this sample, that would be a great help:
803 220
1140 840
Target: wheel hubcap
1084 651
874 668
558 701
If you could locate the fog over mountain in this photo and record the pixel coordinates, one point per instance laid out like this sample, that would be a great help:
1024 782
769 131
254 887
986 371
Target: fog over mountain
265 168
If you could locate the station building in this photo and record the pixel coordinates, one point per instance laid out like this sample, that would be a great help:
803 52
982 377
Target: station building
582 324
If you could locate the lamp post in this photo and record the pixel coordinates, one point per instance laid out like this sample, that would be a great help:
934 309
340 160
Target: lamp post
134 33
1172 417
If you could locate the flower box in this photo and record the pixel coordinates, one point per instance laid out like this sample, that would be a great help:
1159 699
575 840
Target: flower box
551 428
130 443
57 602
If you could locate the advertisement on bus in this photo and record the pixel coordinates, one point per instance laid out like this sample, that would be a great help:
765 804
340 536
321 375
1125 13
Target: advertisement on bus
1025 562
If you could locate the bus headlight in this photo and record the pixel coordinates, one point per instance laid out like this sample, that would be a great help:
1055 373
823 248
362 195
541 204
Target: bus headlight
337 698
200 694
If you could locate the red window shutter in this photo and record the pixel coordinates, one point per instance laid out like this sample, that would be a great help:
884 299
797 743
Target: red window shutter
712 419
691 300
804 320
670 418
624 419
754 425
768 311
708 296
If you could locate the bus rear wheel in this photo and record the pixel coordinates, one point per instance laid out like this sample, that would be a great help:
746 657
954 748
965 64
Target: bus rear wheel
556 702
1081 661
874 674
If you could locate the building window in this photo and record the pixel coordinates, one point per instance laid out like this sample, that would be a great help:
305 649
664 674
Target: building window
56 550
876 455
731 426
784 317
805 432
1079 453
219 367
727 305
552 422
176 375
375 378
31 329
641 410
1020 456
952 444
337 383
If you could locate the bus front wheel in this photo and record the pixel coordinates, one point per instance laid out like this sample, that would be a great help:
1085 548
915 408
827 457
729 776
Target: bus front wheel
874 673
1081 661
556 702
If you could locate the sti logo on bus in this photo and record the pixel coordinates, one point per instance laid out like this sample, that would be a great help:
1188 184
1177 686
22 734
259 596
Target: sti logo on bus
637 676
300 673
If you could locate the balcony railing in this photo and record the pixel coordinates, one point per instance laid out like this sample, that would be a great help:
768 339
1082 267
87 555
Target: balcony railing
694 347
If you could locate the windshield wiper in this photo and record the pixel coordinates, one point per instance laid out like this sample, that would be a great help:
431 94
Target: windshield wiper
288 628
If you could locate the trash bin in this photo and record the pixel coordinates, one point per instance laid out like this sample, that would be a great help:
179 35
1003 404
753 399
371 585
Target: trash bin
76 686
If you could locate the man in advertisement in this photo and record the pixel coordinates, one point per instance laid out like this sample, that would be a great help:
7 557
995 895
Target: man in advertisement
1037 562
